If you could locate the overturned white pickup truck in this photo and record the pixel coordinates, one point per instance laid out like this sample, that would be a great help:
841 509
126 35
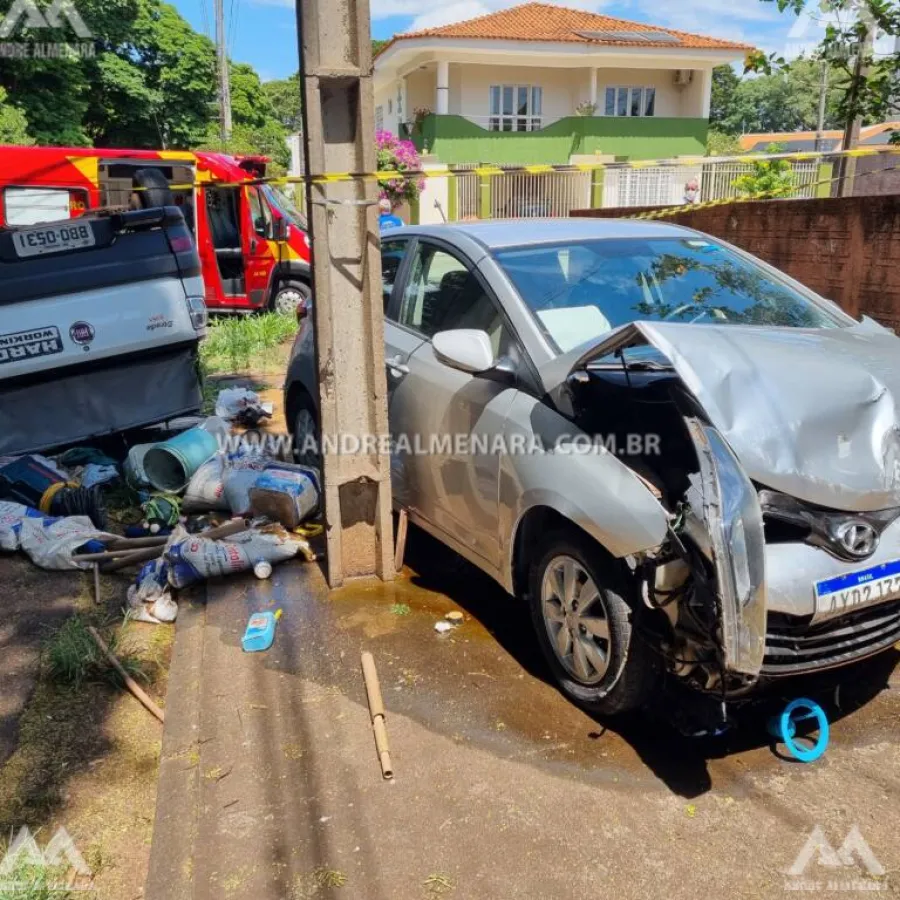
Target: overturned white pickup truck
100 321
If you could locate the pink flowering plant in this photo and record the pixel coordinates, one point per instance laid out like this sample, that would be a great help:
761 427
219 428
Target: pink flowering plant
395 155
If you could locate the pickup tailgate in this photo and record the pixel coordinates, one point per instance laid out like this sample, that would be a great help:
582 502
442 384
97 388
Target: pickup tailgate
123 294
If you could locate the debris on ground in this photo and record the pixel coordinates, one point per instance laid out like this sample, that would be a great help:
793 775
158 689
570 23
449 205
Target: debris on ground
260 632
242 407
169 497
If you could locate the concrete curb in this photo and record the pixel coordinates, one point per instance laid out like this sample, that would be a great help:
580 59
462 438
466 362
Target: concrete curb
177 794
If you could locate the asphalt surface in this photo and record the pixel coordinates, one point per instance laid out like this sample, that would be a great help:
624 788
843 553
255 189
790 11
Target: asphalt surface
270 785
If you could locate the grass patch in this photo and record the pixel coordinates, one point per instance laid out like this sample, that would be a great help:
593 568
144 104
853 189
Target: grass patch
240 343
31 882
72 656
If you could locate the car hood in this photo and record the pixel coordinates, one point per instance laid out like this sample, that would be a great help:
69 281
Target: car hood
812 413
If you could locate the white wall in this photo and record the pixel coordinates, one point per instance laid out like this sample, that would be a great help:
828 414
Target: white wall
386 98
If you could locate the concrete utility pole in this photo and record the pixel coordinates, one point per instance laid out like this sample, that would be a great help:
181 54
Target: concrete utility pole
339 136
223 75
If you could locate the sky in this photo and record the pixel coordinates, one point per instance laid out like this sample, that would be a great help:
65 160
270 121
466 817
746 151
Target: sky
264 34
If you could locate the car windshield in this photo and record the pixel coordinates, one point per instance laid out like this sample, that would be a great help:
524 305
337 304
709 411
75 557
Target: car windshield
582 290
280 201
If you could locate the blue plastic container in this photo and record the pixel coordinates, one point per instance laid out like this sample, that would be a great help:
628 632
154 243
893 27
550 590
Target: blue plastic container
260 631
170 465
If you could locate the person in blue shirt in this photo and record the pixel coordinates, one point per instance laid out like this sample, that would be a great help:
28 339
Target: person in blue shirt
387 220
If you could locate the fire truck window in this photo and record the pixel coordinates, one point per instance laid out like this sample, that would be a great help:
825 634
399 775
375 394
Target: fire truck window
28 206
260 213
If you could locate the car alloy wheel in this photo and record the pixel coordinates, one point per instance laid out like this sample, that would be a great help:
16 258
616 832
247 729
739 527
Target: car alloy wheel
576 620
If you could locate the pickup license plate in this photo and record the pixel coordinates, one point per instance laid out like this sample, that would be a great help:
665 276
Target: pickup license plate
53 239
857 589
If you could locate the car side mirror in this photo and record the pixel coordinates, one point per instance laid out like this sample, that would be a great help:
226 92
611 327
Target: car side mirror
466 349
279 230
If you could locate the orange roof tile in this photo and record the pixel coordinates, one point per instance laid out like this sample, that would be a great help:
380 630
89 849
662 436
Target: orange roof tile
547 22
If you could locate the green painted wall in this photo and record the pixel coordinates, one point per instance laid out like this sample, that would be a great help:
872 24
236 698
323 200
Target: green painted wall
453 140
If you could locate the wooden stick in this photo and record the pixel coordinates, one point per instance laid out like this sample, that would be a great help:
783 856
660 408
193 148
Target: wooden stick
108 555
96 568
400 550
376 711
130 683
135 543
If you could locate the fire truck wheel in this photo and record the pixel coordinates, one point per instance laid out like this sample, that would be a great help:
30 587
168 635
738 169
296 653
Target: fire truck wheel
289 295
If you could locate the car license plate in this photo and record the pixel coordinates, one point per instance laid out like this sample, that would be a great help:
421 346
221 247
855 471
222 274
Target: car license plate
53 239
856 589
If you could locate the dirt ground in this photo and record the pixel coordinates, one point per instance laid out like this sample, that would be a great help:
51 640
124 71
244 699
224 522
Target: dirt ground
503 788
86 757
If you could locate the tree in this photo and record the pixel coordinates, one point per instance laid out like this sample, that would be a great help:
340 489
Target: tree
870 86
784 100
379 45
725 82
284 95
13 124
256 126
718 143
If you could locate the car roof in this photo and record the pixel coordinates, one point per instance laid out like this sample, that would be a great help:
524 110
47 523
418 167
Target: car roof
500 233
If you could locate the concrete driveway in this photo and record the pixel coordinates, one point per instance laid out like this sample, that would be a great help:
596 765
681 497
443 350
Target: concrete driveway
270 786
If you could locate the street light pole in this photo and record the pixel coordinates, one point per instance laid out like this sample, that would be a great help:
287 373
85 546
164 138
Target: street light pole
339 136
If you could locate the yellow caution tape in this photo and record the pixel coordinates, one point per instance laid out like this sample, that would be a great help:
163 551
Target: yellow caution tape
542 169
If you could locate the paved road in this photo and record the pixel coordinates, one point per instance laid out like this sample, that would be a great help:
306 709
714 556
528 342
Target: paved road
271 788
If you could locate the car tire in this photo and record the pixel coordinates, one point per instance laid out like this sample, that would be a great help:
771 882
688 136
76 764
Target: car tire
306 426
289 295
590 647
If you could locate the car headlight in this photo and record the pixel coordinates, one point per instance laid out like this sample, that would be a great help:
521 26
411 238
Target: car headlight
734 520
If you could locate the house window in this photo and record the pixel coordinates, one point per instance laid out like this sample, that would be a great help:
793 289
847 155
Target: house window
516 107
379 118
630 101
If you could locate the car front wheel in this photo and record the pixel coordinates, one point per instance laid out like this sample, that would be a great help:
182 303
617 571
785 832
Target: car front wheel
585 627
289 296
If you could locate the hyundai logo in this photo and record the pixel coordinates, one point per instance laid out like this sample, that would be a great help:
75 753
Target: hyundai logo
857 539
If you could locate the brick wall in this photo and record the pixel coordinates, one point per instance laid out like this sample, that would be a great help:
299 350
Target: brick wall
846 249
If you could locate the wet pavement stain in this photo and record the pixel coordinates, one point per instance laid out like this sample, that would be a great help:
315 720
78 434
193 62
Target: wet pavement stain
485 683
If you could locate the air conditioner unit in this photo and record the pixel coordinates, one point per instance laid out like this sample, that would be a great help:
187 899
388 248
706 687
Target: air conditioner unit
683 77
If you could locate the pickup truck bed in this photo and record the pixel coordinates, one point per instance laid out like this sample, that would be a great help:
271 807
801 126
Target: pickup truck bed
100 321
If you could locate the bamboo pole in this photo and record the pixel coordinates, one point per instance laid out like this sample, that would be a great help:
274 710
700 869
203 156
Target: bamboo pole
130 683
399 552
376 711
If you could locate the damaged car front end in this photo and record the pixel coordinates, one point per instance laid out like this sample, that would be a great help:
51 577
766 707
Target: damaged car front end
778 470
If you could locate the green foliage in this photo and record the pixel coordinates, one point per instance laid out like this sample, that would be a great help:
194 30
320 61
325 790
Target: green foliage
73 657
379 45
718 143
785 100
13 124
240 343
32 882
873 91
284 96
769 178
150 84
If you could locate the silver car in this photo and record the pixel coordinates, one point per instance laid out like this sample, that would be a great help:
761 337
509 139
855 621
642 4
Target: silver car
681 459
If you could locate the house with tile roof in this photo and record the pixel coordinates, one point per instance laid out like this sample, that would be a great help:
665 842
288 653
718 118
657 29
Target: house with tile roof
539 83
874 137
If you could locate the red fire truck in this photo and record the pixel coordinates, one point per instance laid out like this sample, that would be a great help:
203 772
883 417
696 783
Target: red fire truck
253 243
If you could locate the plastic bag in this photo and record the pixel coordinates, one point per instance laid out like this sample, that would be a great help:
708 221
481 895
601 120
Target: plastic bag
206 489
94 474
192 558
286 493
231 402
48 542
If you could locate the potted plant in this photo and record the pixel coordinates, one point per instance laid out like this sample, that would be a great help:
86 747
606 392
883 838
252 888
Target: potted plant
586 109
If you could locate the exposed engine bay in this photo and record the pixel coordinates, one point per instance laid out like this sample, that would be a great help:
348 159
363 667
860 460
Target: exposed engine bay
752 582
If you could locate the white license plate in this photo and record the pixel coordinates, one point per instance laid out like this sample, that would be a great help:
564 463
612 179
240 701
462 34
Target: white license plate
864 587
53 239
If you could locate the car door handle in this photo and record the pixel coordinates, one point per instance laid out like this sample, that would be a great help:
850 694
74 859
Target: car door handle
397 366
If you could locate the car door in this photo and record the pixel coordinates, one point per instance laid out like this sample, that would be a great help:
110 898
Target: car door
399 345
447 422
